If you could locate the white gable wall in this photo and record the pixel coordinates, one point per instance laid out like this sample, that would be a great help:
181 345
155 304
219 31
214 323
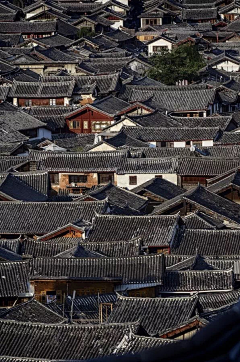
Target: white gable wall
159 43
117 24
123 180
228 66
102 147
117 127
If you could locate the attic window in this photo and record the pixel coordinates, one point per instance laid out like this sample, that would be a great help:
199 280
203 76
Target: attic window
132 180
77 179
54 178
28 102
73 124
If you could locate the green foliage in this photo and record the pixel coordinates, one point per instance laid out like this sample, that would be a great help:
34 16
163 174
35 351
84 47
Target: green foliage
85 32
180 64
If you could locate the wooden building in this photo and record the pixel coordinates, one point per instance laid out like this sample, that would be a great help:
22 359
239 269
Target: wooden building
88 119
88 276
27 94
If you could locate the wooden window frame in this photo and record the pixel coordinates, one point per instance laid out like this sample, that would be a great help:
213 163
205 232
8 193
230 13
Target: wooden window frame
132 180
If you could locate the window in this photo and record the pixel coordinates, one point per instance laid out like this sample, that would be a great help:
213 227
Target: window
73 124
148 37
53 102
28 102
132 180
197 143
105 178
188 144
159 49
103 125
77 179
54 178
158 176
51 295
85 124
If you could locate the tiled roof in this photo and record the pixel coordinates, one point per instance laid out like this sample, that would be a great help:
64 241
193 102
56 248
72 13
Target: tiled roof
67 162
116 249
79 251
9 149
229 138
148 134
7 162
47 249
122 140
10 135
18 119
55 40
53 54
42 217
199 14
117 196
194 280
206 166
233 26
8 255
218 300
52 116
153 230
111 105
172 98
86 308
155 119
200 220
128 270
104 83
60 341
159 187
221 122
37 180
232 180
28 27
155 314
14 279
16 189
148 165
11 245
137 344
31 311
208 242
74 142
42 89
206 202
106 66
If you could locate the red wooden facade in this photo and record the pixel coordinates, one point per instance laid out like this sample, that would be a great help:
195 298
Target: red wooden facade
37 35
28 102
88 120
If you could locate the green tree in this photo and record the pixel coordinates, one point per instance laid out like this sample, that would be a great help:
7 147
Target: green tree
181 63
83 32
